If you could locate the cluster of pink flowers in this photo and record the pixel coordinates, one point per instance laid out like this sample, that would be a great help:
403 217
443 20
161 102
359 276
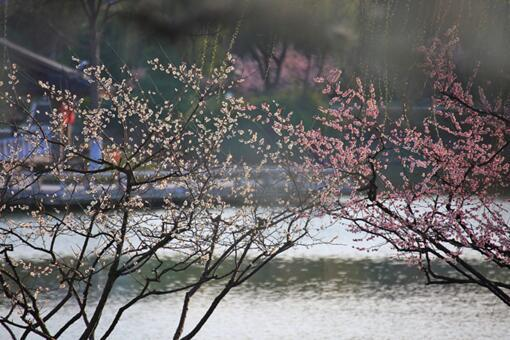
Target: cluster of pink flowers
444 203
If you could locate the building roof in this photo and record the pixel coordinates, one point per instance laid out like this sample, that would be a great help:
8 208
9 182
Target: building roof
35 67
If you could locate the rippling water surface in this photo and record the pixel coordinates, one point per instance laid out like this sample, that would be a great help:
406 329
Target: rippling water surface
328 298
326 292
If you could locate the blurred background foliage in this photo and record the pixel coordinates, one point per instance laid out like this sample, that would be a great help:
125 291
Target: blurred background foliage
280 45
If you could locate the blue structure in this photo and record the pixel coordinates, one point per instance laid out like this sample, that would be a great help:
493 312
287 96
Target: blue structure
30 140
30 143
95 153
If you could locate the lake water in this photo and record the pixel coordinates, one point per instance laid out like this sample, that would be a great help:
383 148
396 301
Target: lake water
325 292
330 298
336 299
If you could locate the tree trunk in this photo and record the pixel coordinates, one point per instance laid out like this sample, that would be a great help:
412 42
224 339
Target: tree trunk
94 51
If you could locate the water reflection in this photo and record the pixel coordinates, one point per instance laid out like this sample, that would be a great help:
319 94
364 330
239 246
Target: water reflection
322 298
328 276
323 292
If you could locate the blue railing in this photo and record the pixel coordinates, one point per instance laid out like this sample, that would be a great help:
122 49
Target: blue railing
22 147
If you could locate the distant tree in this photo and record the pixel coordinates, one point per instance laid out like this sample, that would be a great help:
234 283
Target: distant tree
98 13
275 48
283 67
